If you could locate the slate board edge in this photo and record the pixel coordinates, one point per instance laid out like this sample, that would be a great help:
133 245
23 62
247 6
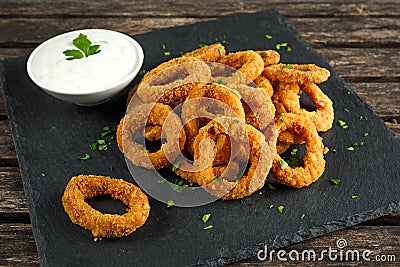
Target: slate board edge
303 235
23 170
243 253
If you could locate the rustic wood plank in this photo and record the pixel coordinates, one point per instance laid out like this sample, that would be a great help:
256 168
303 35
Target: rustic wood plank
328 8
381 241
19 247
352 31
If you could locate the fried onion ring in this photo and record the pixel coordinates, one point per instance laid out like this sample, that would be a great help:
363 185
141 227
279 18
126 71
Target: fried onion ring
247 62
269 57
314 162
260 160
198 103
83 187
296 73
208 53
149 114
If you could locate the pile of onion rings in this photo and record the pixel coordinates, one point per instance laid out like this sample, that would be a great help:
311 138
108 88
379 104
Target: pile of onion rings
260 92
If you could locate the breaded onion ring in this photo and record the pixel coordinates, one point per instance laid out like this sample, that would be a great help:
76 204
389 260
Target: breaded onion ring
296 73
83 187
149 114
163 81
289 95
263 82
208 53
247 62
260 160
195 109
269 57
314 162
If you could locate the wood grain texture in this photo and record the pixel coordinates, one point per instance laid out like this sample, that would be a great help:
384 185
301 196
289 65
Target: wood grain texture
354 32
17 239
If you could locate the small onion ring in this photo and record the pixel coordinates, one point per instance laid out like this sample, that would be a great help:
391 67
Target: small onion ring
83 187
314 162
149 114
296 73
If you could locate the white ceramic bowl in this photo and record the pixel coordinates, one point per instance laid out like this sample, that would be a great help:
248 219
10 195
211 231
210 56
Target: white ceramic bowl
89 80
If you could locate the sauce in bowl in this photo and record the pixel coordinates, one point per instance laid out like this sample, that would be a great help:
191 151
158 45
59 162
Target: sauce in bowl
117 63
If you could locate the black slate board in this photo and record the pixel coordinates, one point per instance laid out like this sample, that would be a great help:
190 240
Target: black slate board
50 134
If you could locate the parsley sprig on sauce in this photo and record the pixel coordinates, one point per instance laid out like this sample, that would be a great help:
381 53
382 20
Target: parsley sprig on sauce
85 48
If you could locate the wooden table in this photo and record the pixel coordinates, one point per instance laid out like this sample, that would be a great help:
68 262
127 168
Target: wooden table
360 40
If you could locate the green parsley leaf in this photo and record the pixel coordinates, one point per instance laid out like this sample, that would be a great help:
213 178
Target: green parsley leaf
271 206
347 110
302 216
283 164
342 124
359 144
350 148
335 181
220 49
278 46
73 54
271 187
142 72
280 209
85 48
366 134
87 156
176 163
208 227
289 49
269 37
93 146
293 163
43 174
163 47
334 150
216 179
363 118
206 217
294 151
167 53
263 54
202 45
170 203
235 120
354 196
288 66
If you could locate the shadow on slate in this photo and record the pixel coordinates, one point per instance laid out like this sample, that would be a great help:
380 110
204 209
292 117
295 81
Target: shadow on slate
50 135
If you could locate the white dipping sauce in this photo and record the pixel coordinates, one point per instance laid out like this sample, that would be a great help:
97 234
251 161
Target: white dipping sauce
117 59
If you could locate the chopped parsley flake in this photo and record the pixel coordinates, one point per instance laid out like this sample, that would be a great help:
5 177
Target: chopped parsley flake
347 110
170 203
176 163
163 47
43 174
302 216
271 206
281 118
350 148
161 181
363 118
293 163
366 134
208 227
289 49
142 72
167 53
269 37
335 181
220 49
294 151
280 209
206 217
283 164
216 179
354 196
288 66
278 46
93 146
87 156
334 150
271 187
263 54
235 120
342 124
